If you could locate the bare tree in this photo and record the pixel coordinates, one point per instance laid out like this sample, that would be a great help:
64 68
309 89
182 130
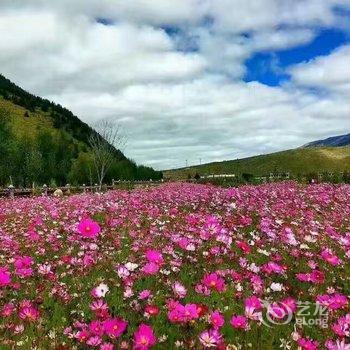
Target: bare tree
104 145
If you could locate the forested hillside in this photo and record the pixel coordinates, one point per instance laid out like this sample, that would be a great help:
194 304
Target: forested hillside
43 142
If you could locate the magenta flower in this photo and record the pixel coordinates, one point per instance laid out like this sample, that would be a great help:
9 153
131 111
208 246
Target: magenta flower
96 328
307 344
333 301
89 228
155 256
331 258
23 266
82 336
151 268
29 313
5 277
144 337
114 327
239 322
214 281
183 313
217 320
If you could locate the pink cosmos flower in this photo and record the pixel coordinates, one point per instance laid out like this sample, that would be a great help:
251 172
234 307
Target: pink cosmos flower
89 228
183 313
315 276
123 272
155 256
210 338
94 341
333 301
114 327
82 336
144 337
289 304
342 327
5 277
253 308
145 294
106 346
96 328
7 310
151 268
244 246
217 320
307 344
151 310
328 256
214 281
273 267
100 308
29 313
23 266
338 345
239 322
179 290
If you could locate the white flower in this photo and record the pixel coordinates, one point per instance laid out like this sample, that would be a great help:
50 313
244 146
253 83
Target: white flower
276 287
252 267
191 247
131 266
101 290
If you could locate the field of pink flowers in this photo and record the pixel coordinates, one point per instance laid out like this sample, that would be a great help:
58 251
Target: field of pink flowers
180 266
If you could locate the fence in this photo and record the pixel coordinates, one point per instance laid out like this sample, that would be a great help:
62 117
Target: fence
45 190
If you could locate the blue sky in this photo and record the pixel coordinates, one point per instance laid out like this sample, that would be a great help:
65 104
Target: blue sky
269 67
187 79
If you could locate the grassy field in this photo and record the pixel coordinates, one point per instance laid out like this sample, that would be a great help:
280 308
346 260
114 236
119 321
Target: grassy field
21 125
296 161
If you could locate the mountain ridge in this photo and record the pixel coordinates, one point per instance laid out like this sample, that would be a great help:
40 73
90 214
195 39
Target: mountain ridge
333 141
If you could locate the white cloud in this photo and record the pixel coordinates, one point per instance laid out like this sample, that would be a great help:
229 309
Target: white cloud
179 104
330 72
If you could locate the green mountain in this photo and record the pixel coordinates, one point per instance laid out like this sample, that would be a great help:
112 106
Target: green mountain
300 161
44 142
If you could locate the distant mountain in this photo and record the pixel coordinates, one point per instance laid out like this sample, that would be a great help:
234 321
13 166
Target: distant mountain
335 141
43 142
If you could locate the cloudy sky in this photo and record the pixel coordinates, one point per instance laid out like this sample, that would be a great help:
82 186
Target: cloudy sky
188 79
